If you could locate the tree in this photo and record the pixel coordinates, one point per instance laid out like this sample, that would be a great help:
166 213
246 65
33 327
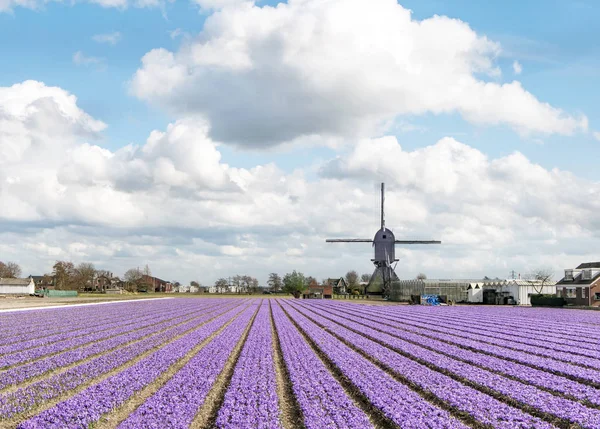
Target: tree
64 275
10 270
194 283
133 279
275 283
540 278
352 279
365 278
421 276
221 284
294 283
84 275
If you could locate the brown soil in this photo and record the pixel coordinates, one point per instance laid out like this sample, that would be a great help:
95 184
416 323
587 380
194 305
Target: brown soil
113 419
376 416
290 412
51 403
207 414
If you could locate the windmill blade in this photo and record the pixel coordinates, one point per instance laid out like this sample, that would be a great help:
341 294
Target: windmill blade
348 240
417 242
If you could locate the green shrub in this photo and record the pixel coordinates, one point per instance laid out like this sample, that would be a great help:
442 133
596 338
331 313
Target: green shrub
547 301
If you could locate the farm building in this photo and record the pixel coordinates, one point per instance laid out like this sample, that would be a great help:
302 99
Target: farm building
452 289
511 291
315 290
339 286
581 285
17 286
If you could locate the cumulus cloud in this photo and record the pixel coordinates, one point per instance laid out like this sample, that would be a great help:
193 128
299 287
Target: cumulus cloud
266 75
517 67
110 38
65 197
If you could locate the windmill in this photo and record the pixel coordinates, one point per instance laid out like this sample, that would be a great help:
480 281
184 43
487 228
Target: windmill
384 244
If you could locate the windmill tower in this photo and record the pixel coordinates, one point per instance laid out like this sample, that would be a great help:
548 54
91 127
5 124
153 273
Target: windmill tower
384 244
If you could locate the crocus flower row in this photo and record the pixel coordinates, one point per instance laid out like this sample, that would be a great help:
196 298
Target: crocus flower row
90 333
537 377
251 399
88 406
563 408
531 375
25 372
322 400
49 321
79 346
528 332
559 325
176 403
541 362
398 402
540 347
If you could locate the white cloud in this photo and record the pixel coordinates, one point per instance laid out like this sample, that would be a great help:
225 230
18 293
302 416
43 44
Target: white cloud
596 135
173 197
110 38
517 68
80 59
265 75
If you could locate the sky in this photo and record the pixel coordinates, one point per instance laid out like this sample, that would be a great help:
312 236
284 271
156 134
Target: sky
208 138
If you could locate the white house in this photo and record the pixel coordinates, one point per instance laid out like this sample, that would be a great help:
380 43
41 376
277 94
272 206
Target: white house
17 286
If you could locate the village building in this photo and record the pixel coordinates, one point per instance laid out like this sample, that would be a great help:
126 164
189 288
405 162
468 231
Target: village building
340 286
315 290
154 284
17 286
581 285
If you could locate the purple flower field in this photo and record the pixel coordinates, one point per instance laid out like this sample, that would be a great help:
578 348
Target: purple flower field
285 363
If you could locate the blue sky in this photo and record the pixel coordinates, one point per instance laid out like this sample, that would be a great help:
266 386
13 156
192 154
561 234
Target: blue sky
554 42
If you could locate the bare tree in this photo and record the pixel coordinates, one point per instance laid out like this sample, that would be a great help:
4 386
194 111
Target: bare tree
84 275
133 279
540 278
10 270
64 275
221 284
421 276
365 278
275 283
194 283
352 279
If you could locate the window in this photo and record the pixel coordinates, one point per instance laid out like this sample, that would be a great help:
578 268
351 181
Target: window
569 275
584 292
384 236
586 274
571 292
597 296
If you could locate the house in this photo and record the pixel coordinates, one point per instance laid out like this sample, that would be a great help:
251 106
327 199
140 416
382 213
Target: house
156 285
17 286
315 290
340 287
581 285
43 282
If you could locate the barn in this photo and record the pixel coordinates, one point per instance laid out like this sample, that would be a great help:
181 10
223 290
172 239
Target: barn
17 286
